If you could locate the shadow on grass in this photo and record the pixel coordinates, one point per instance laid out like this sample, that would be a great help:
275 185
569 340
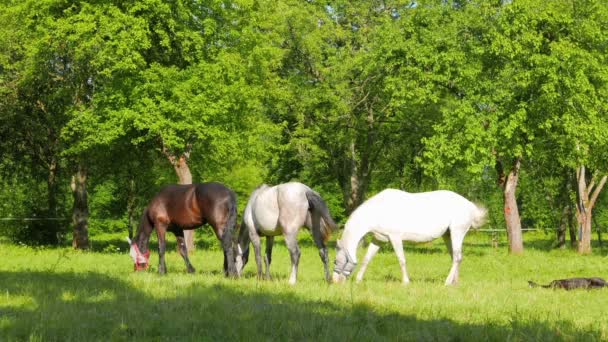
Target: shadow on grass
91 306
204 240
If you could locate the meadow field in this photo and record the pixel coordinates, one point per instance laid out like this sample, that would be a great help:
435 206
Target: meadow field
58 294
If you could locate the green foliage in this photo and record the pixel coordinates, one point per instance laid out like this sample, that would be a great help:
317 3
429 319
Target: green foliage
349 97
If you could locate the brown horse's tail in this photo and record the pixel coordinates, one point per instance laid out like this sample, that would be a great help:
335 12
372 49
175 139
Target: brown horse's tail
317 203
227 239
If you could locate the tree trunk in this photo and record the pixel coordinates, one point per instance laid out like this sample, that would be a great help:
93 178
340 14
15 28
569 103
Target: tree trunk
185 177
52 187
358 182
80 211
131 206
563 226
53 227
584 207
572 232
598 228
182 170
511 211
584 243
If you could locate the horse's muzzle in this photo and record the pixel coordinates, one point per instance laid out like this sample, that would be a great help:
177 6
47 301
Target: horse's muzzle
338 278
141 267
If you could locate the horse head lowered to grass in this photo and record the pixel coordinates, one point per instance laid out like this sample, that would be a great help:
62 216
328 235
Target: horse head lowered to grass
283 209
394 215
176 208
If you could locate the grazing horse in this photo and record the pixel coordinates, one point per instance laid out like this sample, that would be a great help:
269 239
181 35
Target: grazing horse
283 209
176 208
394 215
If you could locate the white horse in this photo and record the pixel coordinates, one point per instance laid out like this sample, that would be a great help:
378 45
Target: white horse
394 215
283 209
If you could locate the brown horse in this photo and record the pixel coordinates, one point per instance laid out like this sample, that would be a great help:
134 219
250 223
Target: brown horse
179 207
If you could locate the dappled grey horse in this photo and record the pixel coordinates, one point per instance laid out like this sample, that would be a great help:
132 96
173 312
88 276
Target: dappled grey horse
283 209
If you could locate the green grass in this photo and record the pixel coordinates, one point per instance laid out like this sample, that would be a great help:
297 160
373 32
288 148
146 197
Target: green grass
49 294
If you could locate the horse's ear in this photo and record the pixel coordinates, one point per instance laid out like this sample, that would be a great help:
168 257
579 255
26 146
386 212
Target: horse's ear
338 244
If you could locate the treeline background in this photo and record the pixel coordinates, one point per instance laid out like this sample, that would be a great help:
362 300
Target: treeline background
104 102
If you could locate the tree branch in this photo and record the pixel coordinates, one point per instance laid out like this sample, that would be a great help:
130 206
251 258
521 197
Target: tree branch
597 190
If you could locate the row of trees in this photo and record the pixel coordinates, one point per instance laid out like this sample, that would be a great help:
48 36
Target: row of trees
503 101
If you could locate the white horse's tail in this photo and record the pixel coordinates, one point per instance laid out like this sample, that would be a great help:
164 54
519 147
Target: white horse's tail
480 214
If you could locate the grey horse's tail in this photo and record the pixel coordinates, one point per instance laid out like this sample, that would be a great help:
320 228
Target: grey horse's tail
318 204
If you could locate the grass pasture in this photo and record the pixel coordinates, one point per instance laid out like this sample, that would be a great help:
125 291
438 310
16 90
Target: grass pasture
57 294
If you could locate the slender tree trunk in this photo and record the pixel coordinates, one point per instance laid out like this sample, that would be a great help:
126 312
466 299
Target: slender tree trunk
52 187
598 229
358 181
53 227
587 196
563 226
511 211
572 233
131 206
182 170
80 211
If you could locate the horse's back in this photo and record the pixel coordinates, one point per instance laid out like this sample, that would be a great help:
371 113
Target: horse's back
413 216
190 205
292 194
214 192
284 204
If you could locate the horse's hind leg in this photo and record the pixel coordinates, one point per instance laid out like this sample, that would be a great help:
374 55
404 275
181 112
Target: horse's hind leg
268 257
456 238
183 250
255 241
398 247
294 252
318 238
371 251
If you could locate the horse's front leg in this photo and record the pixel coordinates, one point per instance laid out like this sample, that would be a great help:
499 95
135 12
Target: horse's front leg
268 258
371 251
161 230
294 252
398 247
183 250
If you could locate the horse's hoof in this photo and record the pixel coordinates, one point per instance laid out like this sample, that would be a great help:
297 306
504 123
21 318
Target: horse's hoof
191 270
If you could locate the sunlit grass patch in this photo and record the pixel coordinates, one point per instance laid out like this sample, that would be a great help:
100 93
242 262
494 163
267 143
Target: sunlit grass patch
60 294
